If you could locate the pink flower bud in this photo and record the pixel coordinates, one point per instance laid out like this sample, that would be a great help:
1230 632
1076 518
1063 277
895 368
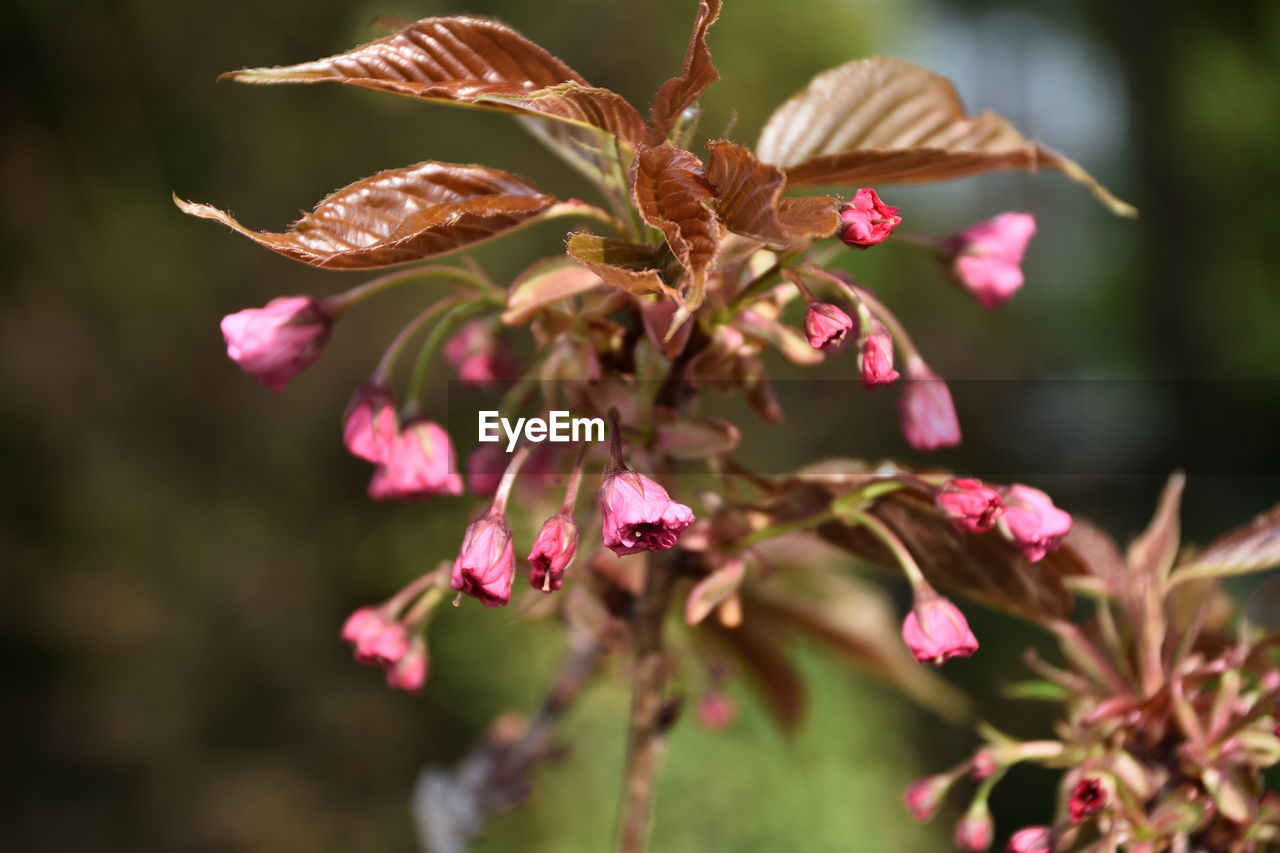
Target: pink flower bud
410 672
486 562
925 410
986 259
975 830
370 425
826 325
384 646
924 796
1031 521
1030 839
971 506
935 630
363 623
477 354
984 764
420 465
867 220
639 515
275 342
1089 798
875 356
716 710
552 552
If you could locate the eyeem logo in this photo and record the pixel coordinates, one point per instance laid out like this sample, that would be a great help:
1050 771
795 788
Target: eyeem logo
560 427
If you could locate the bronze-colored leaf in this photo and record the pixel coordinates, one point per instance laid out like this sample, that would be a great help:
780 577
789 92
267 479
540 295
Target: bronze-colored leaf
1099 552
749 200
545 283
587 106
710 592
673 194
623 265
1252 548
680 93
886 121
757 644
400 216
1151 555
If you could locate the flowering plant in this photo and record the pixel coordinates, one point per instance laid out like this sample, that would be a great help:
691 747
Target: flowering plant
703 263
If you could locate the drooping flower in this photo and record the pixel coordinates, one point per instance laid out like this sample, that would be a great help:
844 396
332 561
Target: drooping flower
421 464
875 356
976 829
639 515
1030 839
866 220
926 413
275 342
986 259
370 425
923 797
935 630
826 325
970 505
716 710
379 640
1031 521
410 672
477 354
1087 799
486 562
553 550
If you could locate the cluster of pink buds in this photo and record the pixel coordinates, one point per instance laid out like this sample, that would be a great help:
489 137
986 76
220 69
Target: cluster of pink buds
1024 516
393 635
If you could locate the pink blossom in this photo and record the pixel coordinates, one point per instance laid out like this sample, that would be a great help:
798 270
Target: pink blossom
486 562
410 672
370 425
1087 799
553 550
275 342
923 797
1030 839
826 325
384 645
975 830
421 464
867 220
926 413
363 623
971 506
1032 522
716 710
477 354
986 259
935 630
875 357
984 764
639 515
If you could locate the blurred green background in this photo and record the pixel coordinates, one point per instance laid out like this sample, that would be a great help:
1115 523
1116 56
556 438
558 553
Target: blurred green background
179 546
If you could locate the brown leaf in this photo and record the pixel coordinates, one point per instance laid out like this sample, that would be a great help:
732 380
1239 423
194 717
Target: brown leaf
680 93
623 265
673 194
1151 555
1099 552
885 121
756 642
400 216
545 283
599 109
1252 548
749 200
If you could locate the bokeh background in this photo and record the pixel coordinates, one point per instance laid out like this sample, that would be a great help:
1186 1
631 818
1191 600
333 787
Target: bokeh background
178 546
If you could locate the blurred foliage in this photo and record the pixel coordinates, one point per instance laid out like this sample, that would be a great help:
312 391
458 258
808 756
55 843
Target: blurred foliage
179 546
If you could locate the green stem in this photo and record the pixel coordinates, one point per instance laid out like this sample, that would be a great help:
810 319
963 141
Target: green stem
383 371
881 531
337 305
447 324
499 505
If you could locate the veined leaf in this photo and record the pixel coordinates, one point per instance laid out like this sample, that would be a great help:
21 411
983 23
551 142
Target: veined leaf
749 199
680 93
586 106
1252 548
400 216
623 265
886 121
545 283
672 193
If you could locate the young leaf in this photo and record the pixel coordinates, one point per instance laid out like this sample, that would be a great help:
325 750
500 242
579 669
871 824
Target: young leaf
586 106
680 93
711 591
886 121
673 194
1252 548
749 198
400 216
545 283
1151 555
623 265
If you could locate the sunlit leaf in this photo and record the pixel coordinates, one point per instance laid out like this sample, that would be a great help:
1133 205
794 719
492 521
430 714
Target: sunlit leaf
623 265
1151 555
1252 548
400 216
710 592
886 121
749 199
582 105
673 194
679 93
545 283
